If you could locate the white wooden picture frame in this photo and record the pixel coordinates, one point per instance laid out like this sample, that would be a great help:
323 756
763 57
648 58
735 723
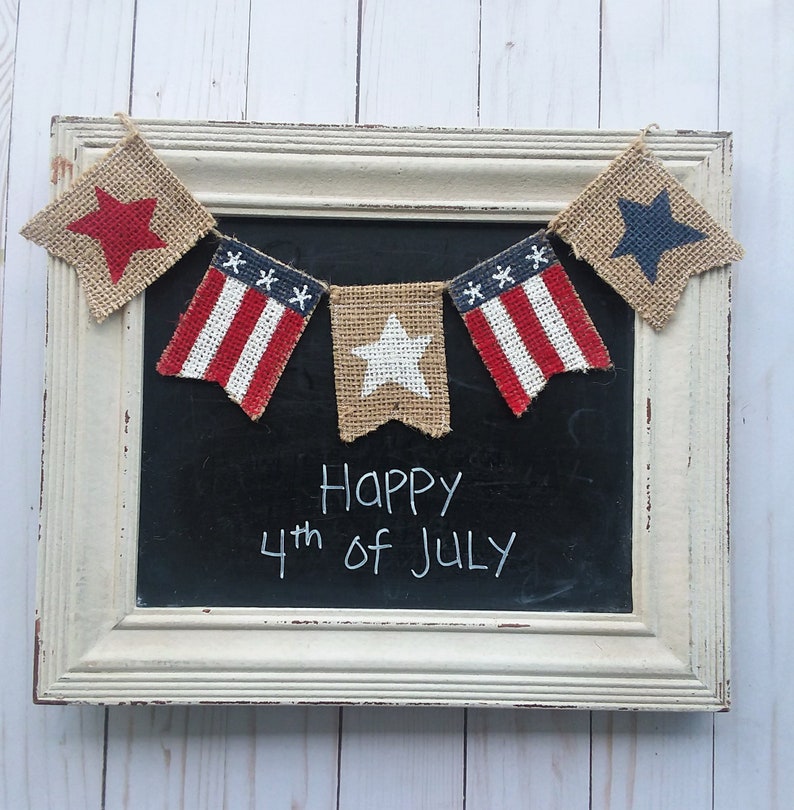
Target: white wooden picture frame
93 645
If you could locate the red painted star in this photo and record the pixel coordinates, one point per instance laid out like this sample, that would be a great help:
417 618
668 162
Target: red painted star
121 229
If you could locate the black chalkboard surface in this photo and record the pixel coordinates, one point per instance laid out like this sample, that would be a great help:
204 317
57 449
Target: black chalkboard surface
539 517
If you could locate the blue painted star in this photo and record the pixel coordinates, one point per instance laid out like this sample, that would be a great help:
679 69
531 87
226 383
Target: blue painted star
652 231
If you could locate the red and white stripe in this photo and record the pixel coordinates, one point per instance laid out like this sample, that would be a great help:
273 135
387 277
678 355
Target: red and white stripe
236 336
533 331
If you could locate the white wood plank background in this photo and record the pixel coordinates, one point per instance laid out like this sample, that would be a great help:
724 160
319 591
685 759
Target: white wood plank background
552 63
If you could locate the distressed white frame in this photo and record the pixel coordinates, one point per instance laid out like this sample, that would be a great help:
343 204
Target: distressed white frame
95 646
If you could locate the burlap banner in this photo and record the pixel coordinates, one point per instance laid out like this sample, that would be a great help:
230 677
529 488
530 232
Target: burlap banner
389 360
128 219
125 222
644 233
242 324
526 320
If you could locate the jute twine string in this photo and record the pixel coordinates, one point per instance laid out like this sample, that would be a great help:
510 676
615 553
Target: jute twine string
644 132
127 122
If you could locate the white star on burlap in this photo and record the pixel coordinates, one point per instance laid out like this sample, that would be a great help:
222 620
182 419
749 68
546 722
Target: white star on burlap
503 276
474 291
394 358
301 297
537 256
234 261
267 280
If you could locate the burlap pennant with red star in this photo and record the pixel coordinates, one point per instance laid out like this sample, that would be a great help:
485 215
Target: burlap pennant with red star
124 222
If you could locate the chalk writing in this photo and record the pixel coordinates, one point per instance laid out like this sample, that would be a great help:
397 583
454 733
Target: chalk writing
457 560
373 489
414 489
305 533
377 547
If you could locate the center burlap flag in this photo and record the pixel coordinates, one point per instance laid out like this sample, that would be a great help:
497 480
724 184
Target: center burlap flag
124 222
644 233
389 360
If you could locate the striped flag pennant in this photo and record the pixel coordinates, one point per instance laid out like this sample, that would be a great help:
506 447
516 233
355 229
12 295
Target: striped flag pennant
526 320
243 323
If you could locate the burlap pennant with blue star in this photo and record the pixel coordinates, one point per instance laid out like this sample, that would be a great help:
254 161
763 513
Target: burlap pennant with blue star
644 233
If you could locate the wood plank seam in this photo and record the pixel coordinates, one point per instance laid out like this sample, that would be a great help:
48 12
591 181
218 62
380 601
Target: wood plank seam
5 159
359 22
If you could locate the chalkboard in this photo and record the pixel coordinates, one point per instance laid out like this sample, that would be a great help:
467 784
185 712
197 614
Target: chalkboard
530 514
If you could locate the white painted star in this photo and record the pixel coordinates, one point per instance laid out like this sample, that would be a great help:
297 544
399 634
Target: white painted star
394 357
234 261
268 280
503 276
473 291
537 257
301 297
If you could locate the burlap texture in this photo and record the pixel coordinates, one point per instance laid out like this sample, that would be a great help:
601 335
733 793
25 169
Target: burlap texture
593 225
359 318
130 171
242 325
526 320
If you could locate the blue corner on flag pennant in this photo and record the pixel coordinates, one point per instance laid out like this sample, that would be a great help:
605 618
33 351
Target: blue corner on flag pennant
292 288
500 273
